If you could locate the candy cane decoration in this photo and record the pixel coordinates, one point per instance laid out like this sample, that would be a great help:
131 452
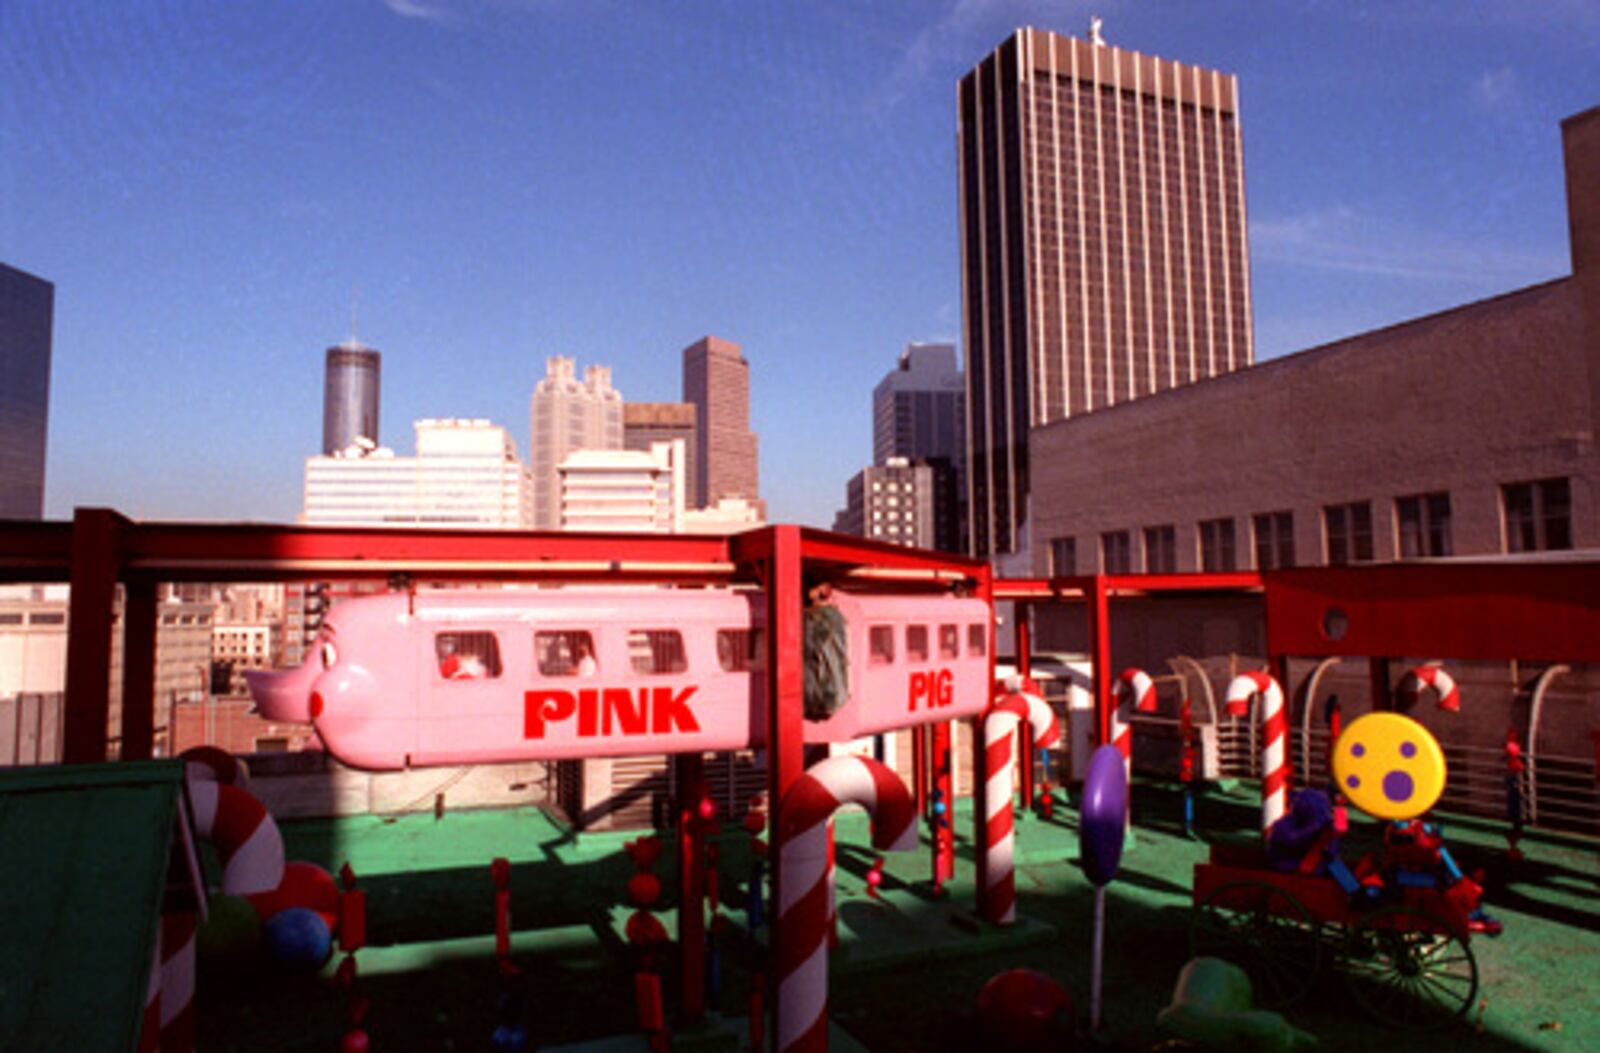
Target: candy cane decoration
999 893
805 880
1274 739
177 982
245 837
1133 690
215 765
1434 676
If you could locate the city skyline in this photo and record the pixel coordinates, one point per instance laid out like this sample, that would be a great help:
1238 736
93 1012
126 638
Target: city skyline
499 192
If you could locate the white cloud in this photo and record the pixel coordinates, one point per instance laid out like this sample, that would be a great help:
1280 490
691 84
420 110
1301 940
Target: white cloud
422 9
1495 89
1343 239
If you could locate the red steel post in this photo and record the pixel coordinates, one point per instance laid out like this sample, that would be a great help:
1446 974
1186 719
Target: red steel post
691 783
1024 729
139 671
96 545
1099 611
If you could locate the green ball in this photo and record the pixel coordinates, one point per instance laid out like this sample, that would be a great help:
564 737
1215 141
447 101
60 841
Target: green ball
229 940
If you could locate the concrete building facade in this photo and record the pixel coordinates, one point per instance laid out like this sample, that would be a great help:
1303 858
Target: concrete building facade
566 414
351 390
891 502
646 423
1467 432
466 474
1103 247
628 491
919 413
27 322
716 379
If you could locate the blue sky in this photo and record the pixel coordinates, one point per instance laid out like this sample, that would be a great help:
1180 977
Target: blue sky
501 180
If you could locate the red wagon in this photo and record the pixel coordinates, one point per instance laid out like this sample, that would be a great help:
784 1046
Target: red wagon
1406 960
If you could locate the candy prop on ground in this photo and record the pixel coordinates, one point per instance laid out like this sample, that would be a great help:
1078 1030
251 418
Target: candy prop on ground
999 894
803 818
243 833
1422 677
1516 768
1103 825
646 935
1212 1008
1274 739
1134 690
1022 1010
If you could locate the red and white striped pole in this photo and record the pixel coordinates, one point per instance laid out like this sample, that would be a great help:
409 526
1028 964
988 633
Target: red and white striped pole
1418 678
1274 739
177 982
806 880
1134 690
997 893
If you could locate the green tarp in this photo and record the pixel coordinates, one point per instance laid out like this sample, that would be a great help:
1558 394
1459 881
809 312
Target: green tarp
83 869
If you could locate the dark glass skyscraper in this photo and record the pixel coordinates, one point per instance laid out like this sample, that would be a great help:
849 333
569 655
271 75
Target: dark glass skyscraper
1102 243
350 396
27 319
919 413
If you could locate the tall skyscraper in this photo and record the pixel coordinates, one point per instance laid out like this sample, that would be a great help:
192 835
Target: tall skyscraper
566 415
716 378
646 423
1102 241
27 320
350 396
919 413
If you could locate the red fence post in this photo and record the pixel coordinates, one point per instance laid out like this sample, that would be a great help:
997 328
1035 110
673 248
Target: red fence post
691 783
96 556
139 671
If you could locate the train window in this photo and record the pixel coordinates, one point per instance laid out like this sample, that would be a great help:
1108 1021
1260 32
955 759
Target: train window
467 656
977 640
741 650
656 652
916 643
566 652
949 642
880 644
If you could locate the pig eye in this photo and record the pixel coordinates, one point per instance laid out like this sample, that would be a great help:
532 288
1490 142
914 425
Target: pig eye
330 655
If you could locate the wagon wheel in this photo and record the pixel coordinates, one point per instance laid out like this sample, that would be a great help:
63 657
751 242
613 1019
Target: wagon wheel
1263 930
1409 968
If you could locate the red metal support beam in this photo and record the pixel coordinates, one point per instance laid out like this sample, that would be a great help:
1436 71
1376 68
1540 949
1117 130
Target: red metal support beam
96 552
691 784
1024 728
139 670
1099 611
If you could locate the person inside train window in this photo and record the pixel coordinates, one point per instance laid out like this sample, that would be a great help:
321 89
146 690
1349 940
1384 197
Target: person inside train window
916 643
467 656
977 640
655 652
880 644
949 642
568 652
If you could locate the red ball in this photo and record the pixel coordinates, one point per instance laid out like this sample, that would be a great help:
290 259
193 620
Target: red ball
644 889
303 885
708 808
1018 1008
355 1041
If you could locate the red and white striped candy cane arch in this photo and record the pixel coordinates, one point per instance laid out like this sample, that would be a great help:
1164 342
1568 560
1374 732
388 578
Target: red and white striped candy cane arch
1274 739
1133 690
243 833
1430 675
806 880
998 897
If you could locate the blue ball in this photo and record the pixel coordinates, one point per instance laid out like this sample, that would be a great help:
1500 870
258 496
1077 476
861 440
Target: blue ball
298 939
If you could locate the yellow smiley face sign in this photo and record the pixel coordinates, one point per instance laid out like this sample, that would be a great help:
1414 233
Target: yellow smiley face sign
1389 766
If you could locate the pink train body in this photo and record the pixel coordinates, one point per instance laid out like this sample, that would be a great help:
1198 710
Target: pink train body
482 676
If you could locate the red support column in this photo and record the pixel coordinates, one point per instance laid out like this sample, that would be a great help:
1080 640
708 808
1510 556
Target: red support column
1099 610
1024 729
944 845
139 670
691 783
96 544
919 768
781 571
1382 690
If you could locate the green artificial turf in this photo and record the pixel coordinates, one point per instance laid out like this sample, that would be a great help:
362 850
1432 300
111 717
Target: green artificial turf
910 963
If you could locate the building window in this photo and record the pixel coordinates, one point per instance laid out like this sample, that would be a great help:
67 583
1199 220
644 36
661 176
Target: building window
656 652
1274 540
1348 529
1116 552
1216 545
1424 524
1063 556
1538 515
467 656
564 653
1160 549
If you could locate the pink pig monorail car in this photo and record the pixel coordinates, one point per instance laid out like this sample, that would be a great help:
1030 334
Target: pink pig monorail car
481 676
